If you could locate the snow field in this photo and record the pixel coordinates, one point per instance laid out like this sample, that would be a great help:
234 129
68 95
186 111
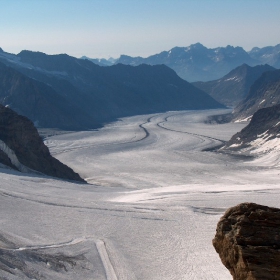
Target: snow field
151 208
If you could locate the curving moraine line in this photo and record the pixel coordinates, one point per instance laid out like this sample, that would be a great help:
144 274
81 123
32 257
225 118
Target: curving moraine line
147 134
185 132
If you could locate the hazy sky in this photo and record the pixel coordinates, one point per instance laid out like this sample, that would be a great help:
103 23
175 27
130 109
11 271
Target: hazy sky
104 28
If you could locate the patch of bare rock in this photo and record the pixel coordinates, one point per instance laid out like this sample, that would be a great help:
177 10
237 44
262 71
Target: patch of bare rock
248 241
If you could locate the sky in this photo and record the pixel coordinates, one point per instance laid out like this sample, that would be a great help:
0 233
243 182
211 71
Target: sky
109 28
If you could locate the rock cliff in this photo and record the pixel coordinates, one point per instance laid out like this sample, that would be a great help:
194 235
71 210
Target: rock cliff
248 241
22 148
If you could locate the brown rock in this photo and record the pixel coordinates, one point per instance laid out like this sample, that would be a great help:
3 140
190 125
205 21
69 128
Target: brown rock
248 241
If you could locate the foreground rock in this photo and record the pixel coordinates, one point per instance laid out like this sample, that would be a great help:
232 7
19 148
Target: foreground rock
248 241
22 148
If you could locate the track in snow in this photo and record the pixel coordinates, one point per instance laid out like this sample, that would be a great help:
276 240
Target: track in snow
110 272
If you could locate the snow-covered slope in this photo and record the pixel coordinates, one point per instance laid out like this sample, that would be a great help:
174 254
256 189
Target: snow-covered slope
261 138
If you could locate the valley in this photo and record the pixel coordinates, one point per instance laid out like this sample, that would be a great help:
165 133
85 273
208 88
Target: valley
150 208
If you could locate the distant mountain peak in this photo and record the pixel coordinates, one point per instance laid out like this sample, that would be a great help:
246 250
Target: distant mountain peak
1 50
197 45
255 49
24 52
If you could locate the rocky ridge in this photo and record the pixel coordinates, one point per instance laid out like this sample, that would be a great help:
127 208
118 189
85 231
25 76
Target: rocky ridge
265 92
22 148
234 86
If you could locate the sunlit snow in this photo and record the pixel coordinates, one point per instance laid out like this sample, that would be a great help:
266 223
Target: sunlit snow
150 209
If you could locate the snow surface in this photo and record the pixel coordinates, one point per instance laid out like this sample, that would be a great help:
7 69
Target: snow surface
151 208
266 149
237 79
244 120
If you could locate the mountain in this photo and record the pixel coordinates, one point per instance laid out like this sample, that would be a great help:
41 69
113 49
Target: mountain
260 137
38 101
267 55
100 61
92 94
235 86
196 62
22 148
265 92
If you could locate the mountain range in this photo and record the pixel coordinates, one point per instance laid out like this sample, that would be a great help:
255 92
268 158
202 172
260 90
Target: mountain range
199 63
65 92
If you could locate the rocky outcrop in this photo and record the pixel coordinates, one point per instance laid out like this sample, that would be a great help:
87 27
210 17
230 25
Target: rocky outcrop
23 149
248 241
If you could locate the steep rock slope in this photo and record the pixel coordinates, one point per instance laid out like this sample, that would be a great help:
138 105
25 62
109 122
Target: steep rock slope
234 86
38 101
196 62
261 137
107 93
265 92
22 147
247 240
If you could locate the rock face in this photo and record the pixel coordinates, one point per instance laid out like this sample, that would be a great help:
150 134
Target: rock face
235 86
265 92
264 126
22 148
39 102
248 241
